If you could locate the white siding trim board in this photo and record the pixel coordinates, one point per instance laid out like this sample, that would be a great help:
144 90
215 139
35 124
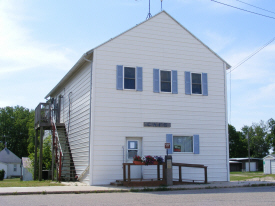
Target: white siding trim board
92 112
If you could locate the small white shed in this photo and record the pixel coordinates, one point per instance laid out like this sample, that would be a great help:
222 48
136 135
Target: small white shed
26 169
269 164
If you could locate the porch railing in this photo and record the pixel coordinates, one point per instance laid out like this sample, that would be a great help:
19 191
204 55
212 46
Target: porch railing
42 115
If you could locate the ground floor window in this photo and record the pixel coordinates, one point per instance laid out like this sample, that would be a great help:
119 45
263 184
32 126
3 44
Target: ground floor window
14 167
132 148
182 144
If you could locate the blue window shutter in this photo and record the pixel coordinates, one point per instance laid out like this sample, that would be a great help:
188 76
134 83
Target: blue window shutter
196 144
156 80
174 81
187 83
119 77
139 78
204 84
169 139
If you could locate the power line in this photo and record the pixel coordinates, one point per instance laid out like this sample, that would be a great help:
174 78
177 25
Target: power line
255 6
244 9
251 55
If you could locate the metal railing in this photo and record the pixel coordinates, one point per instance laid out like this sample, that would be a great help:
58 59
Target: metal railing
58 149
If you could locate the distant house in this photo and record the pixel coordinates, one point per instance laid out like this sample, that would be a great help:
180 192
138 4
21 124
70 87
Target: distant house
269 164
242 164
152 84
10 163
26 168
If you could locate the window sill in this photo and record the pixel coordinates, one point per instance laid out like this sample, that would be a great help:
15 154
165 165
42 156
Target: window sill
183 153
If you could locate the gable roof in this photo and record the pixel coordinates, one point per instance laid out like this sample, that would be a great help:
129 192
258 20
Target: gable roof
270 156
86 56
7 156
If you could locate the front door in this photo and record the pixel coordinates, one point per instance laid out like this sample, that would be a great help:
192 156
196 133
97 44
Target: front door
134 147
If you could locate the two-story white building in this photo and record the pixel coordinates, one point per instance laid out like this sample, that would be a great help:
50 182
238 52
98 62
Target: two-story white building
152 84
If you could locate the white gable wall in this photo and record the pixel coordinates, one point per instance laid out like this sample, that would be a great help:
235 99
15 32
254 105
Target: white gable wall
11 172
78 88
158 43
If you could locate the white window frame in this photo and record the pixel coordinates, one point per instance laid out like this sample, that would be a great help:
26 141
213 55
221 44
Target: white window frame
124 77
183 152
192 83
170 80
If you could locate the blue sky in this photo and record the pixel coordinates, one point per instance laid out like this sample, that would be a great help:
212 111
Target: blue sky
41 40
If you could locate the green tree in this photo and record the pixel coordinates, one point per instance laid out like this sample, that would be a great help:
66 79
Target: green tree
14 129
47 155
258 141
2 146
271 135
31 132
237 143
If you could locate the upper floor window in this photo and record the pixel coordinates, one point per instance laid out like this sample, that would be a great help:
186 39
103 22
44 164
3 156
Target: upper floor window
165 77
196 83
165 81
129 78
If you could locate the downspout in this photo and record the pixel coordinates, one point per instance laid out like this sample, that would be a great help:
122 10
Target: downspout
226 123
69 96
90 116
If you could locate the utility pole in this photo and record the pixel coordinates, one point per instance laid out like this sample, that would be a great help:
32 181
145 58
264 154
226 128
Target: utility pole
248 151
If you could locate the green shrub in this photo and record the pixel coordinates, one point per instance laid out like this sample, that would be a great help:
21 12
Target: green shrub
2 174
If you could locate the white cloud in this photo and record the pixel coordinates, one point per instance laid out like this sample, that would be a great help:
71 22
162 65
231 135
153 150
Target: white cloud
253 86
218 42
19 51
259 68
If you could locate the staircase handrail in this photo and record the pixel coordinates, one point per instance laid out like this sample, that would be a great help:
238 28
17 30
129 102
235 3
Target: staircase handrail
56 133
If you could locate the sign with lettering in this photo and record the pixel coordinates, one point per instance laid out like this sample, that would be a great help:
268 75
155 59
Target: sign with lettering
167 145
156 124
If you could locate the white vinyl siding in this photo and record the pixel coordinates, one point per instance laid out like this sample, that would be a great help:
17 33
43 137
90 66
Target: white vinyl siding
79 89
118 115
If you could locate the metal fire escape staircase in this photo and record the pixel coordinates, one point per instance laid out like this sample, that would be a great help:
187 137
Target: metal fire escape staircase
65 167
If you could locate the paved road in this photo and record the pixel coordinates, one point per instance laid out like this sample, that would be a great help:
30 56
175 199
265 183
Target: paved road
231 196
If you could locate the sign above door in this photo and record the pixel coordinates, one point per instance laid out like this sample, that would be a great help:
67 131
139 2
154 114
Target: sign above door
156 124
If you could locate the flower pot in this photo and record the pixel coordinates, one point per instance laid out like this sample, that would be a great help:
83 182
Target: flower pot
138 163
155 163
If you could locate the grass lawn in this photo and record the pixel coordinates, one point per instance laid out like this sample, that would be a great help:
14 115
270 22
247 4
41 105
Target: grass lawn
243 176
15 182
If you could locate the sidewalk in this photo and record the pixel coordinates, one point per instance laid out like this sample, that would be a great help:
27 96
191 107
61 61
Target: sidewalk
100 189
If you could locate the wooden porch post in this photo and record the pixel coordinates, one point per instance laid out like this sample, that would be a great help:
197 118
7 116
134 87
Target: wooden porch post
41 153
180 177
53 145
205 175
35 155
129 172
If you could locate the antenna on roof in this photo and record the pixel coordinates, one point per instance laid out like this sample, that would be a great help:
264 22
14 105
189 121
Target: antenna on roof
149 14
161 4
